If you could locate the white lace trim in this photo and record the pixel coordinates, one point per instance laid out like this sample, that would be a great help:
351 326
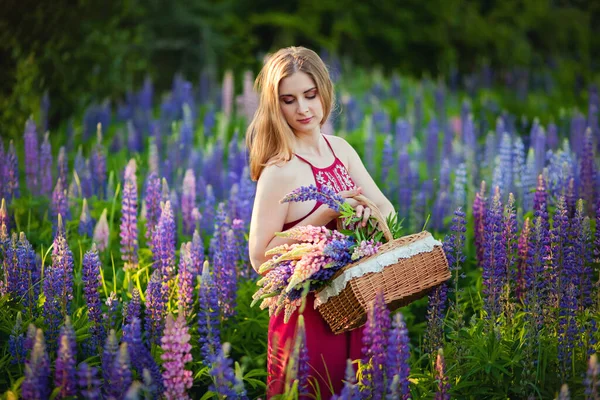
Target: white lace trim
376 264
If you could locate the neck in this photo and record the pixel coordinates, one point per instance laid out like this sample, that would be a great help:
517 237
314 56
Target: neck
308 142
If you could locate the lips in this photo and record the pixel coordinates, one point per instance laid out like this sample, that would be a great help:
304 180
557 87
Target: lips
305 121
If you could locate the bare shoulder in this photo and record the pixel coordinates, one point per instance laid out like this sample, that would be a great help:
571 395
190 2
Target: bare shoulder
278 174
342 148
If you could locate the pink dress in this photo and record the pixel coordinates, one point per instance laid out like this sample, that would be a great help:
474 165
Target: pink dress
327 352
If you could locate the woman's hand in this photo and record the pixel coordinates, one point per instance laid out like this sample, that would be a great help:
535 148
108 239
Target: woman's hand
361 210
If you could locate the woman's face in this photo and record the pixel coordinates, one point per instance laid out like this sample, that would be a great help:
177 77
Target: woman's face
300 102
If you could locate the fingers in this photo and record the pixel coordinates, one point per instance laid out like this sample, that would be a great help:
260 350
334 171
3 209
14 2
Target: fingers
359 210
350 193
366 215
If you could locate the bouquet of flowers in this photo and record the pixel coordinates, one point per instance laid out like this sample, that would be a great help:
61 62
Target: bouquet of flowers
297 269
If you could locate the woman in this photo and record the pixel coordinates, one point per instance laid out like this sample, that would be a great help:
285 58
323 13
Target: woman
288 150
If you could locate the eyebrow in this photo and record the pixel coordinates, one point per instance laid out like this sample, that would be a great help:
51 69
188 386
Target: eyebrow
291 95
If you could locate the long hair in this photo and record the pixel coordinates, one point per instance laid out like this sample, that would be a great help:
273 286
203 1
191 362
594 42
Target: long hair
269 137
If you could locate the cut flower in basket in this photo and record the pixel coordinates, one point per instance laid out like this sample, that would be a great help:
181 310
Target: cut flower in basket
295 270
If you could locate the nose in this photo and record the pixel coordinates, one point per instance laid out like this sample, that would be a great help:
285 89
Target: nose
302 106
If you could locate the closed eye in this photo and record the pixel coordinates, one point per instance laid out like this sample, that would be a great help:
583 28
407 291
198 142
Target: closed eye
291 101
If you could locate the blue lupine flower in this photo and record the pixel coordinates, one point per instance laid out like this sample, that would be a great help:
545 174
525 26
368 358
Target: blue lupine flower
225 382
91 278
156 306
28 287
188 201
374 346
86 223
32 160
109 353
163 242
11 174
185 285
140 355
404 175
581 272
62 166
120 374
128 227
350 390
398 354
494 259
134 307
88 382
588 173
98 165
16 342
152 201
208 317
65 365
323 195
37 371
60 205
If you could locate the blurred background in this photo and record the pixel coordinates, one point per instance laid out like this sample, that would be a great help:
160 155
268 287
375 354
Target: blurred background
60 55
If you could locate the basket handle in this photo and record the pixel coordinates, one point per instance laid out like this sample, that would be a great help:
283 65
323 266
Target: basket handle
375 213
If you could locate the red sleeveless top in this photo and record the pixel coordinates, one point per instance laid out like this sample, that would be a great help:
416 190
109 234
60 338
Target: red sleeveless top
336 177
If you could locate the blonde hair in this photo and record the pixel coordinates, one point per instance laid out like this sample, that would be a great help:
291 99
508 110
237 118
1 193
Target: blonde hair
269 137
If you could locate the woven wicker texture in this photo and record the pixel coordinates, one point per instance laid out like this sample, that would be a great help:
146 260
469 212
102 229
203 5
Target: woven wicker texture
402 283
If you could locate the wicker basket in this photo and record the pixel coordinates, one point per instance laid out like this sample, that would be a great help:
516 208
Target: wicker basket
406 279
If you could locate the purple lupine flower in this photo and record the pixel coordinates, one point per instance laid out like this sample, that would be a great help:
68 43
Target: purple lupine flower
46 166
197 253
224 254
510 231
491 149
62 166
86 223
109 353
163 241
32 160
581 272
141 357
540 202
188 201
2 156
110 318
152 201
567 328
405 180
528 180
208 317
535 275
37 371
350 390
101 232
303 358
120 374
597 234
133 308
58 287
434 334
129 230
28 287
523 250
387 161
540 149
60 204
65 364
11 174
10 264
98 165
518 167
156 306
592 378
374 346
324 195
88 382
398 354
177 352
91 279
208 212
225 382
479 212
506 163
432 146
440 373
460 186
185 285
559 236
245 196
494 258
588 173
16 342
